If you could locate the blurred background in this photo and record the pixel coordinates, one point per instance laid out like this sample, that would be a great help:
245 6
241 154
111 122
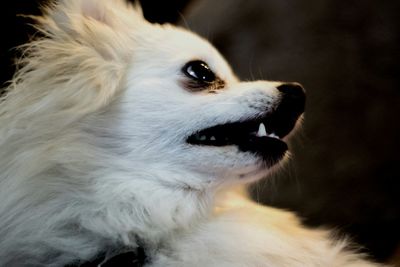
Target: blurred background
345 171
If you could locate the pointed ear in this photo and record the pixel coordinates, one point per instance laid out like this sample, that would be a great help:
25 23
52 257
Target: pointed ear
81 60
96 22
113 13
105 11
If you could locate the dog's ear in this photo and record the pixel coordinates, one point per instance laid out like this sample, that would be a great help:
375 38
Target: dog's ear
80 60
102 24
104 10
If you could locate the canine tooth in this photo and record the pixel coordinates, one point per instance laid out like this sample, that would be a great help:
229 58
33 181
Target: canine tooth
212 138
261 130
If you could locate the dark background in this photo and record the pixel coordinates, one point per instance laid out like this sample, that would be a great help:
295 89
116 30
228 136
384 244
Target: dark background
345 170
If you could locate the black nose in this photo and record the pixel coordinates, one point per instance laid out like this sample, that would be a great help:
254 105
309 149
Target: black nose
293 98
291 105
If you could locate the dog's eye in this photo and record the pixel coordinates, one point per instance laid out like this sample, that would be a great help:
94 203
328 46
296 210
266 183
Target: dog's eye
199 71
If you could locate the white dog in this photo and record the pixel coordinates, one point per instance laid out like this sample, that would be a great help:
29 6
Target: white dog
118 134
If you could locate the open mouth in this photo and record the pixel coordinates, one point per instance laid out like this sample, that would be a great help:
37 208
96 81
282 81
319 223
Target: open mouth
262 136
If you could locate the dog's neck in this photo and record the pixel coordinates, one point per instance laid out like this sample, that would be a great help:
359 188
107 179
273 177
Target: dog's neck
116 208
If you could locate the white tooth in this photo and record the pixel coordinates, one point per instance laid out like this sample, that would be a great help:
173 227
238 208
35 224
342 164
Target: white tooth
212 138
202 138
273 135
261 130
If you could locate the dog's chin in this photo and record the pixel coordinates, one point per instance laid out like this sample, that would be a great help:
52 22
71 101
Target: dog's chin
262 168
244 163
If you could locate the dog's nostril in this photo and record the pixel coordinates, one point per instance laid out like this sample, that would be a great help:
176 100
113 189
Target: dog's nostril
293 90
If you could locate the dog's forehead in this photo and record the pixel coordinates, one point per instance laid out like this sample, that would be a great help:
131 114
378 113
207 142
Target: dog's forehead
178 45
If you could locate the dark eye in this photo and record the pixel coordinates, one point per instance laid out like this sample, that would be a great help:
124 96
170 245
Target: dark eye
199 71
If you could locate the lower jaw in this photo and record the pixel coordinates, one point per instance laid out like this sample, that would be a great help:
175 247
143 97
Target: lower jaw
270 150
267 156
261 168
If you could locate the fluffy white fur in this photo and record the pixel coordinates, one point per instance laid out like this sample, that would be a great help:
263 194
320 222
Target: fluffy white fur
93 154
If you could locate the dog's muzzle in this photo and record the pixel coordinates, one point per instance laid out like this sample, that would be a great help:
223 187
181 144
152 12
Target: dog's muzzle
262 135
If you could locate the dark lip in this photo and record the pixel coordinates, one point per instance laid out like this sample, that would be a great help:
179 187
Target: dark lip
243 135
271 150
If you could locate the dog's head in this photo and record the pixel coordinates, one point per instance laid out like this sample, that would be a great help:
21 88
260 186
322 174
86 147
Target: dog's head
157 97
183 108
